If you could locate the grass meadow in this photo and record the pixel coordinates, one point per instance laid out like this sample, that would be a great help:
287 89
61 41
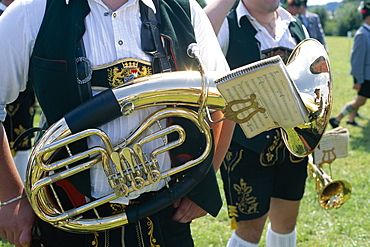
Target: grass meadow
346 226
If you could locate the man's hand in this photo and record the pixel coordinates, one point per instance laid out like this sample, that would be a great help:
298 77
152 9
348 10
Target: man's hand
187 210
16 221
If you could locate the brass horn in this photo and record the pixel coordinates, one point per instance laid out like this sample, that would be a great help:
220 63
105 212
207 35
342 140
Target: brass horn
308 66
331 194
127 167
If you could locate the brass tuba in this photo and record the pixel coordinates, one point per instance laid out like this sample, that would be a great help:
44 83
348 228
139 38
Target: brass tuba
127 168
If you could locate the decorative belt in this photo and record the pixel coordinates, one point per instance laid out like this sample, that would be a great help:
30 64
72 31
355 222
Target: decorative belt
120 72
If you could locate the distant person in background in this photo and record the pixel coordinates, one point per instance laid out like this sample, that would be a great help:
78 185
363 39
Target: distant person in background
360 70
318 97
293 7
19 118
312 22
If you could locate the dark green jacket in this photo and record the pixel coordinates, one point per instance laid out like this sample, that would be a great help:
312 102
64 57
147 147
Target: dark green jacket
243 49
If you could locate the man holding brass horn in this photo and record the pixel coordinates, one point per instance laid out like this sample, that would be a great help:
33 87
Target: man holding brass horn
262 179
69 50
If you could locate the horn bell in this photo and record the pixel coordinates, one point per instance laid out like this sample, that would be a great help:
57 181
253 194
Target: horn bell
308 66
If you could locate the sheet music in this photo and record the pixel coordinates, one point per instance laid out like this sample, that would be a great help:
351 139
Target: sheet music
270 97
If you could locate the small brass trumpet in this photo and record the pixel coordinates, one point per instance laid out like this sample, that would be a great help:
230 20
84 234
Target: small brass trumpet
331 194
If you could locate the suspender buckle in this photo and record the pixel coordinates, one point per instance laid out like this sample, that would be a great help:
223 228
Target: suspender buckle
84 69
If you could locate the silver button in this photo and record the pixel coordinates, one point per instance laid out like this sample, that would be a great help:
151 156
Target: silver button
114 15
267 136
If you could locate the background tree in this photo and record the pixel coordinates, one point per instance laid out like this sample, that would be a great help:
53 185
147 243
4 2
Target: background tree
322 11
347 17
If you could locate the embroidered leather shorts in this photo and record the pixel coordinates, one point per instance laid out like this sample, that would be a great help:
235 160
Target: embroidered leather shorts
249 185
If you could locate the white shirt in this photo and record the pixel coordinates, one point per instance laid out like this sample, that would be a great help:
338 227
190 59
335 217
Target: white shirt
101 42
283 38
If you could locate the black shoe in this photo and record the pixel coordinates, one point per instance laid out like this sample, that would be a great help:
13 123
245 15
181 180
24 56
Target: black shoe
334 122
359 115
354 123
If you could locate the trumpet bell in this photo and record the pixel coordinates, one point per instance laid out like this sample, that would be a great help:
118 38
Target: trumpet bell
335 194
331 194
308 66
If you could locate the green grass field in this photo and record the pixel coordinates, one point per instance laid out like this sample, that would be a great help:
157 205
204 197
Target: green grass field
346 226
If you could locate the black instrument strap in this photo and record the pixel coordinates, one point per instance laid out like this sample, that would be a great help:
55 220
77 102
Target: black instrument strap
83 72
29 132
151 39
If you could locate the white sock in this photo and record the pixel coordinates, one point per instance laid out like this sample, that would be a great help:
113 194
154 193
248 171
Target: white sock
274 239
347 109
236 241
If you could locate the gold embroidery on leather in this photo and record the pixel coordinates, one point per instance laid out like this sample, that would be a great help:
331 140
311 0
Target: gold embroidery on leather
295 159
270 155
235 162
12 149
129 71
152 240
283 52
19 130
247 204
117 208
32 110
233 212
26 140
12 109
95 242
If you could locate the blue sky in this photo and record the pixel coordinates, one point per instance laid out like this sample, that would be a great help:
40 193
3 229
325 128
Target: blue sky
320 2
